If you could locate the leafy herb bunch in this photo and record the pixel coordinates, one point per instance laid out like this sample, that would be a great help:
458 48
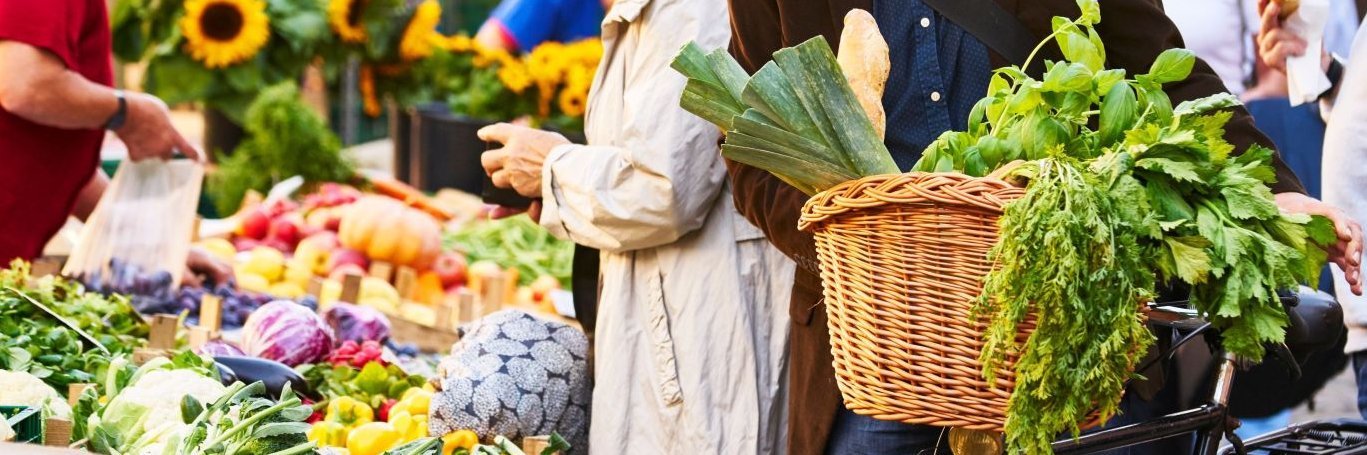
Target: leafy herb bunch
1119 181
32 341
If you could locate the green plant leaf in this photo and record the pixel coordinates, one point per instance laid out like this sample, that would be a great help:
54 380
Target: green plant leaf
1172 65
177 78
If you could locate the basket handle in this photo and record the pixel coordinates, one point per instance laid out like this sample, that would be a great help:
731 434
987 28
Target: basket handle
1001 172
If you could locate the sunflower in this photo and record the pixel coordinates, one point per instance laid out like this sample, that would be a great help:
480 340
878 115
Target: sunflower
459 43
345 18
572 102
514 76
486 56
421 34
224 32
370 103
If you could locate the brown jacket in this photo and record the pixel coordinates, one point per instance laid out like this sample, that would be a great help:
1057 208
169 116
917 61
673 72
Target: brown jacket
1135 32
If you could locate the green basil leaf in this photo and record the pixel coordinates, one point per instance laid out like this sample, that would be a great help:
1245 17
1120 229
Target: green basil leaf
1119 110
1172 65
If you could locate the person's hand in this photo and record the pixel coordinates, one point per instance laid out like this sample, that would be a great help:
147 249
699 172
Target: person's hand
518 163
148 133
1275 43
1347 252
533 211
201 266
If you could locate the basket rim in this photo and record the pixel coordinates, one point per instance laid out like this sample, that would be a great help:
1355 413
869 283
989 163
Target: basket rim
944 188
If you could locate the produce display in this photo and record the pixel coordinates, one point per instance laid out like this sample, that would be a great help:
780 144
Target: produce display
1123 191
516 242
387 230
35 341
370 405
287 333
355 323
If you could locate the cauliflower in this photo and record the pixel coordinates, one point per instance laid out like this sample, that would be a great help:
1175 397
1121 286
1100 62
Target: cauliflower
18 388
147 412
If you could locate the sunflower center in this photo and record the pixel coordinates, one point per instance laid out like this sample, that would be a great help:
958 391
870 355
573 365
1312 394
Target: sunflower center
221 21
353 12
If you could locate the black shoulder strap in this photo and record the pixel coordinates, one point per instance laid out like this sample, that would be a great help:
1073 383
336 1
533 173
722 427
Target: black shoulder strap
998 29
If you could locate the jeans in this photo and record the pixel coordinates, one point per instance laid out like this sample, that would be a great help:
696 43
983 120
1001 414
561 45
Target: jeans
854 434
1360 367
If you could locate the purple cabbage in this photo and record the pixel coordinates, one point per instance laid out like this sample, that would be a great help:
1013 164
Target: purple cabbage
357 323
215 348
288 333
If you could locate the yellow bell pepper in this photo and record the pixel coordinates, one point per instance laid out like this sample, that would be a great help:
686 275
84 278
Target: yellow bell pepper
461 439
349 412
326 433
372 438
415 400
410 427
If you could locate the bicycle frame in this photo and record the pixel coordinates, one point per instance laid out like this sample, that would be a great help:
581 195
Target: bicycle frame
1209 421
1209 418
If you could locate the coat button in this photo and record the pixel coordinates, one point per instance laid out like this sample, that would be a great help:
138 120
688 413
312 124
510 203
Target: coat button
935 96
925 22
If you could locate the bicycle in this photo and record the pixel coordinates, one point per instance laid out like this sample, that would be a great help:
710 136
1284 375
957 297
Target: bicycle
1210 421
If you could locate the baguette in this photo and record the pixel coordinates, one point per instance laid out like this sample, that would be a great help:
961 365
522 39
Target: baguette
863 57
1289 7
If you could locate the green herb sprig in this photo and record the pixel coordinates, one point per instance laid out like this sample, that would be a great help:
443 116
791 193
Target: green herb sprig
1120 181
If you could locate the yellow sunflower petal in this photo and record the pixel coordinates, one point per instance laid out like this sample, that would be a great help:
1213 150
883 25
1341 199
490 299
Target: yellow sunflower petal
345 18
418 37
222 33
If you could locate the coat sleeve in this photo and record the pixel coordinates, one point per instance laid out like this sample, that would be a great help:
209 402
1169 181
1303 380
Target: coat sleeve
1135 32
651 194
770 204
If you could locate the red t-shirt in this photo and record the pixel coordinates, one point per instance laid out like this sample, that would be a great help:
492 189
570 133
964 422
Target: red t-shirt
42 168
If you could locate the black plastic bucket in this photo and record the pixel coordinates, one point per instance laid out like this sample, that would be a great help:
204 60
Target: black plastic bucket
446 150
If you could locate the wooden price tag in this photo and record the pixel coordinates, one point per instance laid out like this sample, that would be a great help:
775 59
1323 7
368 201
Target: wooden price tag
57 432
351 288
445 314
74 391
535 444
465 306
315 287
45 267
493 297
211 314
382 270
405 282
199 335
163 333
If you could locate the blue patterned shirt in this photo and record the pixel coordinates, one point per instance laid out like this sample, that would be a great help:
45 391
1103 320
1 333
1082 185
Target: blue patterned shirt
938 72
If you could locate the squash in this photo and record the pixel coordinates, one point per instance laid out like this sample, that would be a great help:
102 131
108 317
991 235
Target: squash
386 230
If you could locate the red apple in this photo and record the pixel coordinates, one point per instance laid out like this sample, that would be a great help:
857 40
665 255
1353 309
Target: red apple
339 274
450 268
255 224
287 229
345 256
279 207
334 222
322 240
245 244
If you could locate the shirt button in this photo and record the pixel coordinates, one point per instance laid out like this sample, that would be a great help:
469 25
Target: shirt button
935 96
925 22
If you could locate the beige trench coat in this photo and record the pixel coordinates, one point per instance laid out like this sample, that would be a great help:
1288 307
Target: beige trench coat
692 331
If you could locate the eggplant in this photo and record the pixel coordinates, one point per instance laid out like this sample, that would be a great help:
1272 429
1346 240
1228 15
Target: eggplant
274 374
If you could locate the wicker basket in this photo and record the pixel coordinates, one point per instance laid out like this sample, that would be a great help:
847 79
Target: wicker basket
902 259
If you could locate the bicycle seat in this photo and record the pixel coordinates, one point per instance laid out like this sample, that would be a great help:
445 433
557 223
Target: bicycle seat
1314 322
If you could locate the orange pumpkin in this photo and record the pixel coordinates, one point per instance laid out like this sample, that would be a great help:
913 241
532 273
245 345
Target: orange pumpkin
387 230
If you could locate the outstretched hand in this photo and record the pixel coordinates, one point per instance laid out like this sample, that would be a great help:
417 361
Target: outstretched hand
1347 252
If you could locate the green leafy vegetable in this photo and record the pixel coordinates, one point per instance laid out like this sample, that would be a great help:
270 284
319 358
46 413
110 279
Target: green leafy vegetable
516 242
284 139
797 117
1151 195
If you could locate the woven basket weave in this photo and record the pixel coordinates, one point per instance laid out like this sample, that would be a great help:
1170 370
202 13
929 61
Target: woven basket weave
902 259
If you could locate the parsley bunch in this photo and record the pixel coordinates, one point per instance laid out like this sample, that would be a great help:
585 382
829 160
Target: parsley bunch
1124 191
